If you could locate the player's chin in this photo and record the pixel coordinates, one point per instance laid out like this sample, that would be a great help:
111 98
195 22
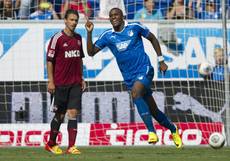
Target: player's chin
115 24
72 29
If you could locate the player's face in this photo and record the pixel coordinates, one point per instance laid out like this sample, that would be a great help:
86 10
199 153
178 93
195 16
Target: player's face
71 22
116 17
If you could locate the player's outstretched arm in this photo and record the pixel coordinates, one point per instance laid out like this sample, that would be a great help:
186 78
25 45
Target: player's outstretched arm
91 49
155 43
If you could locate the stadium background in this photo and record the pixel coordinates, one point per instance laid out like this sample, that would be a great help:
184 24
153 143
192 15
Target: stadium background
195 104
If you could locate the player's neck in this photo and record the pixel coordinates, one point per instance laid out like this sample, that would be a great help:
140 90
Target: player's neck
68 32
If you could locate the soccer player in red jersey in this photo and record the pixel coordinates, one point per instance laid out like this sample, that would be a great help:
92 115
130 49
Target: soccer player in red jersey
65 81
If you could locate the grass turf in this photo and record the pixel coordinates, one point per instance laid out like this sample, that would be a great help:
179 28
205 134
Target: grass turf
119 154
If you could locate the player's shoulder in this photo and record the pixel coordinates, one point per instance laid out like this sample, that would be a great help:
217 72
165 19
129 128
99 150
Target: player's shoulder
136 24
55 39
57 36
105 33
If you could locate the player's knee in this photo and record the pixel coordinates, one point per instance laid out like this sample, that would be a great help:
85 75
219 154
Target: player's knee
136 94
72 114
59 118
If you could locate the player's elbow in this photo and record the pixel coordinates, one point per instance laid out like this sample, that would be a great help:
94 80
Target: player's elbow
92 52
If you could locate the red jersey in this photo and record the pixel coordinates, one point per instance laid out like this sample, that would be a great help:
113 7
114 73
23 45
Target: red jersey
65 53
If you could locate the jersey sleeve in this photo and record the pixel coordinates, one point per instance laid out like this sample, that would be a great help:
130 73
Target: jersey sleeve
101 41
51 50
143 30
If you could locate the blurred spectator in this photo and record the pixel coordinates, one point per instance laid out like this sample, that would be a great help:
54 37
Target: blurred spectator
45 11
7 10
107 5
179 10
218 70
25 8
196 6
132 6
211 10
57 6
148 12
82 6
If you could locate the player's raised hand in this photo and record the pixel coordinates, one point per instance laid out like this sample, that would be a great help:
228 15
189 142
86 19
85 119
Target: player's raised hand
89 26
163 66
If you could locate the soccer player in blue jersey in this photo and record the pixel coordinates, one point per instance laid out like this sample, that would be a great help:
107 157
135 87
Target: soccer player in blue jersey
125 42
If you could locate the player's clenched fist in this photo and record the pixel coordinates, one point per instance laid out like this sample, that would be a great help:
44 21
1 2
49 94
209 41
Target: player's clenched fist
89 26
163 66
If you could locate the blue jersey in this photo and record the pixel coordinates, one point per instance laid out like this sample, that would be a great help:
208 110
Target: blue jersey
218 73
128 49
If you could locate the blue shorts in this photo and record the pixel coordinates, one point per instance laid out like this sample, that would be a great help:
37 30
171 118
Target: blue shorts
144 77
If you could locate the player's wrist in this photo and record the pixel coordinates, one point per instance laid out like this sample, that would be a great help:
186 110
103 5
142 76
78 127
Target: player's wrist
160 59
50 81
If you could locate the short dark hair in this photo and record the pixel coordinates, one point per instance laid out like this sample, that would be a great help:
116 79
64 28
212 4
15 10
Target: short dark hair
71 11
116 8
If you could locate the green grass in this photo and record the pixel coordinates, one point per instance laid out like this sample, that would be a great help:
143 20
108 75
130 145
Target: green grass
119 154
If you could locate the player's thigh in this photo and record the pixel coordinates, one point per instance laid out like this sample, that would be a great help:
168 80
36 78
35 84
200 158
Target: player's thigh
61 99
146 78
138 89
75 96
143 82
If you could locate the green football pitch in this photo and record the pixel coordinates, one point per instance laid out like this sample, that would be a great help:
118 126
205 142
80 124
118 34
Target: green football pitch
119 154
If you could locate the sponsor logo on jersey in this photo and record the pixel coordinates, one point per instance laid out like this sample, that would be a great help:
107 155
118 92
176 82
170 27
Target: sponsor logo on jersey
122 46
72 53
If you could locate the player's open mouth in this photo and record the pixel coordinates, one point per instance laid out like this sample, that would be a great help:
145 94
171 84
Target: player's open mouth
114 22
